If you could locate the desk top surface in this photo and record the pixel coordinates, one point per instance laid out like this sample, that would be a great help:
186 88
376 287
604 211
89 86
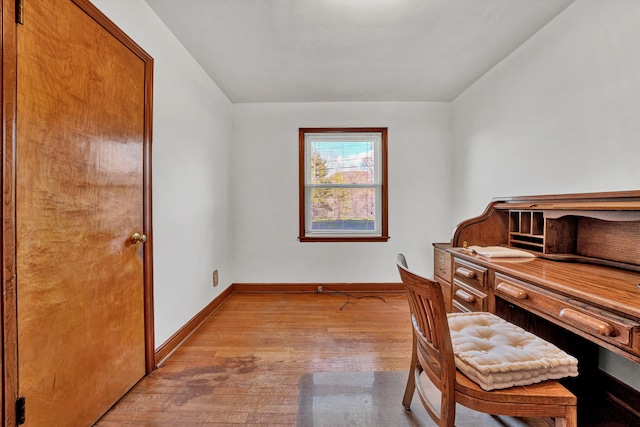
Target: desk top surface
611 288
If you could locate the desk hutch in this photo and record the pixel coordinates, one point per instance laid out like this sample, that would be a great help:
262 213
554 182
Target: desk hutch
580 291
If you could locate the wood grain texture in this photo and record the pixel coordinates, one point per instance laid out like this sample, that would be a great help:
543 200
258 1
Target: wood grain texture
611 200
582 316
243 365
168 347
592 225
616 241
602 400
491 228
130 44
561 235
442 264
9 293
603 292
433 354
80 194
591 264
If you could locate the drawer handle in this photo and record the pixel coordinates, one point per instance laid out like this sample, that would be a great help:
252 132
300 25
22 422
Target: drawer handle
598 326
511 290
465 272
465 296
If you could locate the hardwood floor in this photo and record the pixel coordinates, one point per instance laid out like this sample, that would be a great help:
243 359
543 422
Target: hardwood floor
244 365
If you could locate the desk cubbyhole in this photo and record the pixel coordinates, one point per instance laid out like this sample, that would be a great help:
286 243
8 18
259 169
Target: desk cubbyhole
526 230
526 222
537 223
514 222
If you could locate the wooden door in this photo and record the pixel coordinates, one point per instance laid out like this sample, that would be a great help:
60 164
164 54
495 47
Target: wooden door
81 148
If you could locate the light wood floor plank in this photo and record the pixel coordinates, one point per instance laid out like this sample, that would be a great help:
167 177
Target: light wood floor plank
244 364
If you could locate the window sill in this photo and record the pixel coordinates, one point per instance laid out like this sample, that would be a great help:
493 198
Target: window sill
344 239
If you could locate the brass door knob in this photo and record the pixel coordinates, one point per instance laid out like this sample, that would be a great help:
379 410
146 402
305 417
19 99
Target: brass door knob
137 238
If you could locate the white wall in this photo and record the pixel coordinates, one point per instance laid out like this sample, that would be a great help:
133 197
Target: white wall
265 189
191 172
559 115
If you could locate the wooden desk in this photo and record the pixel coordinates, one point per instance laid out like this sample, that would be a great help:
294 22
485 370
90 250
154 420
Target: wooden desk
581 291
599 303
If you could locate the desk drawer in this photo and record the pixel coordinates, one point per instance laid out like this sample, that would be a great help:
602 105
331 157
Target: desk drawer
446 292
468 296
442 264
587 319
459 308
471 274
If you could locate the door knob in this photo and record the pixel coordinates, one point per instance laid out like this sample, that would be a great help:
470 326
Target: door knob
137 238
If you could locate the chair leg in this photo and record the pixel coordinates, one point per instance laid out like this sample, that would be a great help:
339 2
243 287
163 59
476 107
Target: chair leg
570 420
411 381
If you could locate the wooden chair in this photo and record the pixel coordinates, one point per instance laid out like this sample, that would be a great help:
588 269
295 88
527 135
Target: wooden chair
433 353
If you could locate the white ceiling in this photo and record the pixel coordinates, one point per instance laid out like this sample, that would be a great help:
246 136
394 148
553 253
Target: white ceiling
351 50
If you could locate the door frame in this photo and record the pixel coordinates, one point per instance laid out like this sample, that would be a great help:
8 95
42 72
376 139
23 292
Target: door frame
8 123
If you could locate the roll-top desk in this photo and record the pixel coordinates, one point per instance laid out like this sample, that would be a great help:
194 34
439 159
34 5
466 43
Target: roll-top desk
582 288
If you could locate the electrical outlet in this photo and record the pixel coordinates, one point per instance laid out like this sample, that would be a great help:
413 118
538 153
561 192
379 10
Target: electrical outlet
319 289
215 278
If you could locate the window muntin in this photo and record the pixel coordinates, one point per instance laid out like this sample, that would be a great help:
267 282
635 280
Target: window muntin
343 184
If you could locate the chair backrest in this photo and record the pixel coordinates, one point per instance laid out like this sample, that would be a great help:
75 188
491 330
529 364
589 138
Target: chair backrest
430 327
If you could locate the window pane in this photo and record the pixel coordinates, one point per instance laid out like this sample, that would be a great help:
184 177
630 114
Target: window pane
343 182
343 209
342 162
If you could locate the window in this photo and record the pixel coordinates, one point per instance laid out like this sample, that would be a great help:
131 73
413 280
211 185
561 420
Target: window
343 184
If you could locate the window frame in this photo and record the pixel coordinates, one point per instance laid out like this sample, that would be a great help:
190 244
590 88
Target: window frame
303 235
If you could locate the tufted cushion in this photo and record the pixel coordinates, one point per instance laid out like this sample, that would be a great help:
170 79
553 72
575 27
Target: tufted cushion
497 354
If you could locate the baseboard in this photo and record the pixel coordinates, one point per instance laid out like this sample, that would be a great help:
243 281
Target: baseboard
168 347
313 287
